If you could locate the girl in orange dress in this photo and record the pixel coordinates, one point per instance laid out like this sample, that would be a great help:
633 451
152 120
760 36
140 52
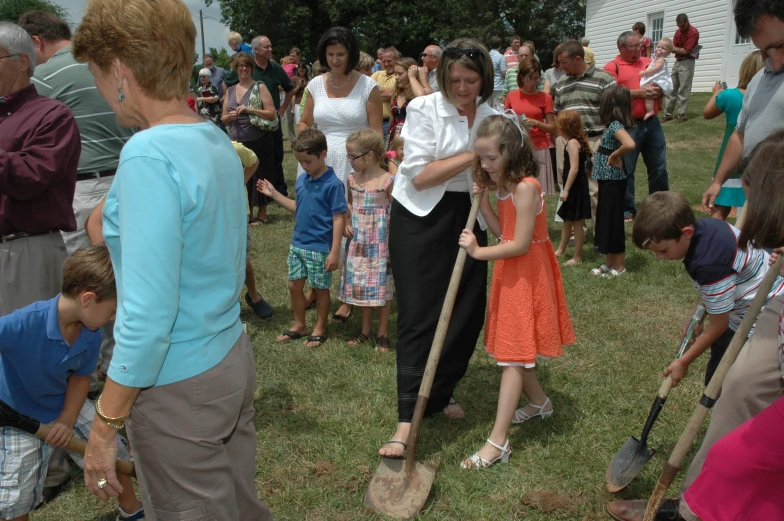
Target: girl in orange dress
527 314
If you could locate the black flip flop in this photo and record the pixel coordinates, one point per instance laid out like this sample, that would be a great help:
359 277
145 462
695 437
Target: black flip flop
316 338
396 457
293 335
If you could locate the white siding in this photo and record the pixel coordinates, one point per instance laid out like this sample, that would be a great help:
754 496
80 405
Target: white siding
606 19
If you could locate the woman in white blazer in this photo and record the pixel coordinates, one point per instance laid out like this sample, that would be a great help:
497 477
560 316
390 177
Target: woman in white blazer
432 199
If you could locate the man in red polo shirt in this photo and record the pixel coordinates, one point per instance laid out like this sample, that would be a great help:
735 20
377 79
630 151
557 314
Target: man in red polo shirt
647 134
685 43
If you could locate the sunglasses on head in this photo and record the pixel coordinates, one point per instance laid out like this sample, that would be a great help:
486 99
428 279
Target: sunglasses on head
455 52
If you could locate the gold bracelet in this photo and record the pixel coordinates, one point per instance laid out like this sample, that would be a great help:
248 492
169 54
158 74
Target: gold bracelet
116 423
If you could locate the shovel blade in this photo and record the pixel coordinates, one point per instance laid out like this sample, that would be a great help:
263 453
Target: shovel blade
397 493
627 464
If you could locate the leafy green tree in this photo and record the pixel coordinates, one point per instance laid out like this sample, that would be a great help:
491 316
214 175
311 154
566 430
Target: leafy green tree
11 10
221 57
407 25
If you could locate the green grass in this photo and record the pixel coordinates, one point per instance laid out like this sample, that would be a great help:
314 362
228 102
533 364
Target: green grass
322 414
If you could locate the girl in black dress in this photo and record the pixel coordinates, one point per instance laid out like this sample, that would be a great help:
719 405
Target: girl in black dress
575 200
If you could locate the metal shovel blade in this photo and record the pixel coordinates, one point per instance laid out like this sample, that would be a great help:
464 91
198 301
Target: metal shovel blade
627 463
397 493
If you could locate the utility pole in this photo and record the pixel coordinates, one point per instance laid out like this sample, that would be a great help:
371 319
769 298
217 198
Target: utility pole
203 50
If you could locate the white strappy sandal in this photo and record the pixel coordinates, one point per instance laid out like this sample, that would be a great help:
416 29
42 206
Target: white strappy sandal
521 416
477 462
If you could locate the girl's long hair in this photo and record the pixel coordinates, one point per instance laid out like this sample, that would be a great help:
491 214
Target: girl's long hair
616 105
405 63
517 152
570 125
763 172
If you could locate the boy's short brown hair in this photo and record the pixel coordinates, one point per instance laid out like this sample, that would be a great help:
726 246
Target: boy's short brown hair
310 141
662 217
89 269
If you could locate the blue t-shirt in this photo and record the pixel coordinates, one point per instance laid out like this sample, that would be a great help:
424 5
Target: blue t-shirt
318 200
36 362
175 225
730 101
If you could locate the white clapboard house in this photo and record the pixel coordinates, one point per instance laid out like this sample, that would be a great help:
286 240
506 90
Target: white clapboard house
722 48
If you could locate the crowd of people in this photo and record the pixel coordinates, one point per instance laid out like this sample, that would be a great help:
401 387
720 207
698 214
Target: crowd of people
124 238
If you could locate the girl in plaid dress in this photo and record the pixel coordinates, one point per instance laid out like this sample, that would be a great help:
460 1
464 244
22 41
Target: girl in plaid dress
366 281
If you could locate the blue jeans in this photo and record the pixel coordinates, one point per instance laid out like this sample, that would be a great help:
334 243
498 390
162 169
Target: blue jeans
649 138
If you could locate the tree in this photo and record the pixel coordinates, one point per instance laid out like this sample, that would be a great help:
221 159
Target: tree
408 26
221 57
11 10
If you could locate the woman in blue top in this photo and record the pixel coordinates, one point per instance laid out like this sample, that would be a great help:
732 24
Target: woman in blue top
183 373
730 102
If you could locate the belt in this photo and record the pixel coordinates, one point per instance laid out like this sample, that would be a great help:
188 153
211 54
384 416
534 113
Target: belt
604 150
96 175
594 133
21 235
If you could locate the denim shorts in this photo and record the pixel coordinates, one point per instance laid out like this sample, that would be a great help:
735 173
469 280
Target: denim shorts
311 265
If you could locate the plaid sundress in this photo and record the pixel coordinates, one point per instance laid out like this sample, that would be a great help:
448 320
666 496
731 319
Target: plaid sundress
366 280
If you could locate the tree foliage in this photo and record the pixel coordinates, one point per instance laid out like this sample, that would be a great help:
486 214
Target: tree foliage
11 10
409 26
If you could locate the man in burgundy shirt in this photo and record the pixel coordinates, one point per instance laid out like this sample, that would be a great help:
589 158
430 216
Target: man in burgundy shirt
39 153
686 39
647 134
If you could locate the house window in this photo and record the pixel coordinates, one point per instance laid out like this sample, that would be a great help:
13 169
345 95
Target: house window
740 40
656 23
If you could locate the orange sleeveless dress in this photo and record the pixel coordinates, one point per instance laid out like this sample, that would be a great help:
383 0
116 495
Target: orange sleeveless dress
527 315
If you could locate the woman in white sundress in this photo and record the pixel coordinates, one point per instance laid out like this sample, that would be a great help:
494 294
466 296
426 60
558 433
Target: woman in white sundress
340 102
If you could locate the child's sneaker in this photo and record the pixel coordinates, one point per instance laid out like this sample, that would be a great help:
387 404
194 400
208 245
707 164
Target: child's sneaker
125 516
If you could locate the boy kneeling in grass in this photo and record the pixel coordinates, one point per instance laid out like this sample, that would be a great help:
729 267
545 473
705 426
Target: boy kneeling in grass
47 352
319 219
726 276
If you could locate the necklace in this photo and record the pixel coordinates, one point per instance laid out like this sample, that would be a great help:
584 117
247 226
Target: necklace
342 85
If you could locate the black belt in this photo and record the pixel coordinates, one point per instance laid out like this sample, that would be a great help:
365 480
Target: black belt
604 150
21 235
594 133
96 175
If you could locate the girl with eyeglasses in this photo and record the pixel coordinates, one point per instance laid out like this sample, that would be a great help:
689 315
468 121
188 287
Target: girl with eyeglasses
366 281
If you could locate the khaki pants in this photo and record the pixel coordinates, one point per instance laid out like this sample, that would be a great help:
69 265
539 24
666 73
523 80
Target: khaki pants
753 382
593 185
682 75
194 444
31 269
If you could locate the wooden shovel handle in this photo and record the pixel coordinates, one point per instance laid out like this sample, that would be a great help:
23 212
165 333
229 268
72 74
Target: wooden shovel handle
438 341
78 446
711 392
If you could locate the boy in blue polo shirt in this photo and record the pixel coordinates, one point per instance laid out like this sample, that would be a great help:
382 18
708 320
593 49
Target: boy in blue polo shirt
48 350
319 219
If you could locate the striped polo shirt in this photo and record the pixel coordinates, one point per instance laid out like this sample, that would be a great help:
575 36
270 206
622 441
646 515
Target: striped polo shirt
66 80
726 276
583 94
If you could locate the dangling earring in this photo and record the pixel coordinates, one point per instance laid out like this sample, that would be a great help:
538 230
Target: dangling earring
121 96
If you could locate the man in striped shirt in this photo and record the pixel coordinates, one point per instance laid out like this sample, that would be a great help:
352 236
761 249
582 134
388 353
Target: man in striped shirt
60 77
580 89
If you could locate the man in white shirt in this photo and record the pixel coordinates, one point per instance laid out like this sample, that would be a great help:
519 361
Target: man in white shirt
429 70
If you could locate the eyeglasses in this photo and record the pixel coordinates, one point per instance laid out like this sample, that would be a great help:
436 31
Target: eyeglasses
354 158
10 55
455 52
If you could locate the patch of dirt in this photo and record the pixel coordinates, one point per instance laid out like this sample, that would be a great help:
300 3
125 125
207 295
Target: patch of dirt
324 468
549 502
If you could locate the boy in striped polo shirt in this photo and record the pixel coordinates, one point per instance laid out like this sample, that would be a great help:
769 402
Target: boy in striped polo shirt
726 276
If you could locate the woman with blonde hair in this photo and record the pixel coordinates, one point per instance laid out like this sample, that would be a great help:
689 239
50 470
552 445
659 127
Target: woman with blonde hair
730 102
431 203
407 87
182 376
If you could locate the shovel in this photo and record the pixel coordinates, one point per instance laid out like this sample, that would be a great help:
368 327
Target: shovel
711 392
632 457
10 417
400 488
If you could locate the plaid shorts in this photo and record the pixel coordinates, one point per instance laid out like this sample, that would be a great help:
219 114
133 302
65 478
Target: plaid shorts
311 265
24 460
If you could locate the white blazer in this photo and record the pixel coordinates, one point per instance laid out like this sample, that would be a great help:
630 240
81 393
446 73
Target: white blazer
433 130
